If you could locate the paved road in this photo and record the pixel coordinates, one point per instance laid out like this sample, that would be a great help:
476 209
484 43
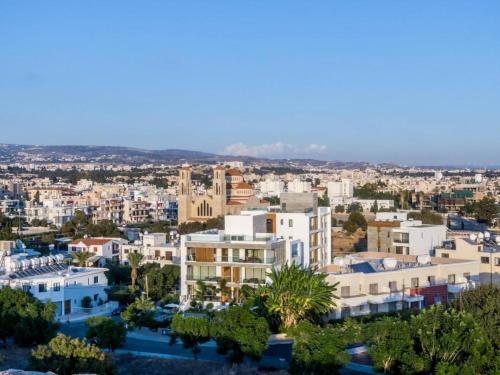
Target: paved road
276 355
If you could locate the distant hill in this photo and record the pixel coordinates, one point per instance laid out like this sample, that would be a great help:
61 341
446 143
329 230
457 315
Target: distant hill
131 155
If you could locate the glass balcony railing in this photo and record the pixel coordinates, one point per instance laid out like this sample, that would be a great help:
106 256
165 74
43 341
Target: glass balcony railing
232 259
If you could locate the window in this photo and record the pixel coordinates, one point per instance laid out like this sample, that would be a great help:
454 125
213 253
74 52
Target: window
95 249
393 286
96 279
414 282
42 288
451 279
431 280
445 255
56 287
437 300
282 222
26 287
374 288
485 260
497 261
290 223
345 291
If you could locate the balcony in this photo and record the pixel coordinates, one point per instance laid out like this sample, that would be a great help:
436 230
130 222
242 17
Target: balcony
254 281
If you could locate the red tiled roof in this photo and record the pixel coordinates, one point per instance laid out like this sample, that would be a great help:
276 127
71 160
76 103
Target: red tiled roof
233 203
91 241
233 172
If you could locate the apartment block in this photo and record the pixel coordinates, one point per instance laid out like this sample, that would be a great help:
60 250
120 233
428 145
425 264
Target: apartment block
375 282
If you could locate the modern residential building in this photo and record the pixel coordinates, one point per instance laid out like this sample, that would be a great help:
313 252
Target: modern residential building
300 218
409 237
298 186
475 247
155 249
340 189
241 254
373 282
271 187
49 279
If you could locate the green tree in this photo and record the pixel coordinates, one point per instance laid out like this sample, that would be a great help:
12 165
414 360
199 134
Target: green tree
240 332
296 293
438 340
66 356
81 258
316 350
487 210
324 201
161 282
339 208
25 318
134 260
108 333
349 227
139 313
427 217
355 207
483 303
273 201
374 207
192 331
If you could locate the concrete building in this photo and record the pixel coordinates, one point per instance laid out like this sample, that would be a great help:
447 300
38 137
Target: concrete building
103 249
409 237
242 254
49 279
271 188
300 218
370 283
155 249
340 189
487 252
298 186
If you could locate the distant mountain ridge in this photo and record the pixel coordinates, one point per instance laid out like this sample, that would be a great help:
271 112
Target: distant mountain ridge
132 155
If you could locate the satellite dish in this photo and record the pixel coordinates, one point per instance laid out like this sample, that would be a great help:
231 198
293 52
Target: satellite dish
487 235
390 263
146 232
339 261
480 235
423 259
473 237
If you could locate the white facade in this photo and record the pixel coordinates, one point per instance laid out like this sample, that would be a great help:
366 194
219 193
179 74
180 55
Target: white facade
298 186
340 189
415 238
384 216
49 279
313 230
155 249
102 248
374 282
271 188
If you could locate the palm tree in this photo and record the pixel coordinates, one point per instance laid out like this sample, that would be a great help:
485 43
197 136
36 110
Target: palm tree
134 260
81 258
201 290
221 288
297 293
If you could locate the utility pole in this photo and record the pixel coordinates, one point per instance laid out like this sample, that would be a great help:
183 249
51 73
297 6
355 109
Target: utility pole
147 286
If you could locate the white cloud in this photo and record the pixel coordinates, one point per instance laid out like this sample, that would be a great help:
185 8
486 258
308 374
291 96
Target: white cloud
277 149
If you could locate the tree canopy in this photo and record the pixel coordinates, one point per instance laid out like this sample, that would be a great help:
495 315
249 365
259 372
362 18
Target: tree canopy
240 332
66 356
108 333
191 330
25 318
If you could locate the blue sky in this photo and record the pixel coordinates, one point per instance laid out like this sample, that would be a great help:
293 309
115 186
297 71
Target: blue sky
414 82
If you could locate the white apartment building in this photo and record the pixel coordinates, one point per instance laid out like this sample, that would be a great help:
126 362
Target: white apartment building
384 216
340 189
242 254
49 279
409 237
475 247
300 218
103 249
55 211
372 282
155 249
271 187
298 186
